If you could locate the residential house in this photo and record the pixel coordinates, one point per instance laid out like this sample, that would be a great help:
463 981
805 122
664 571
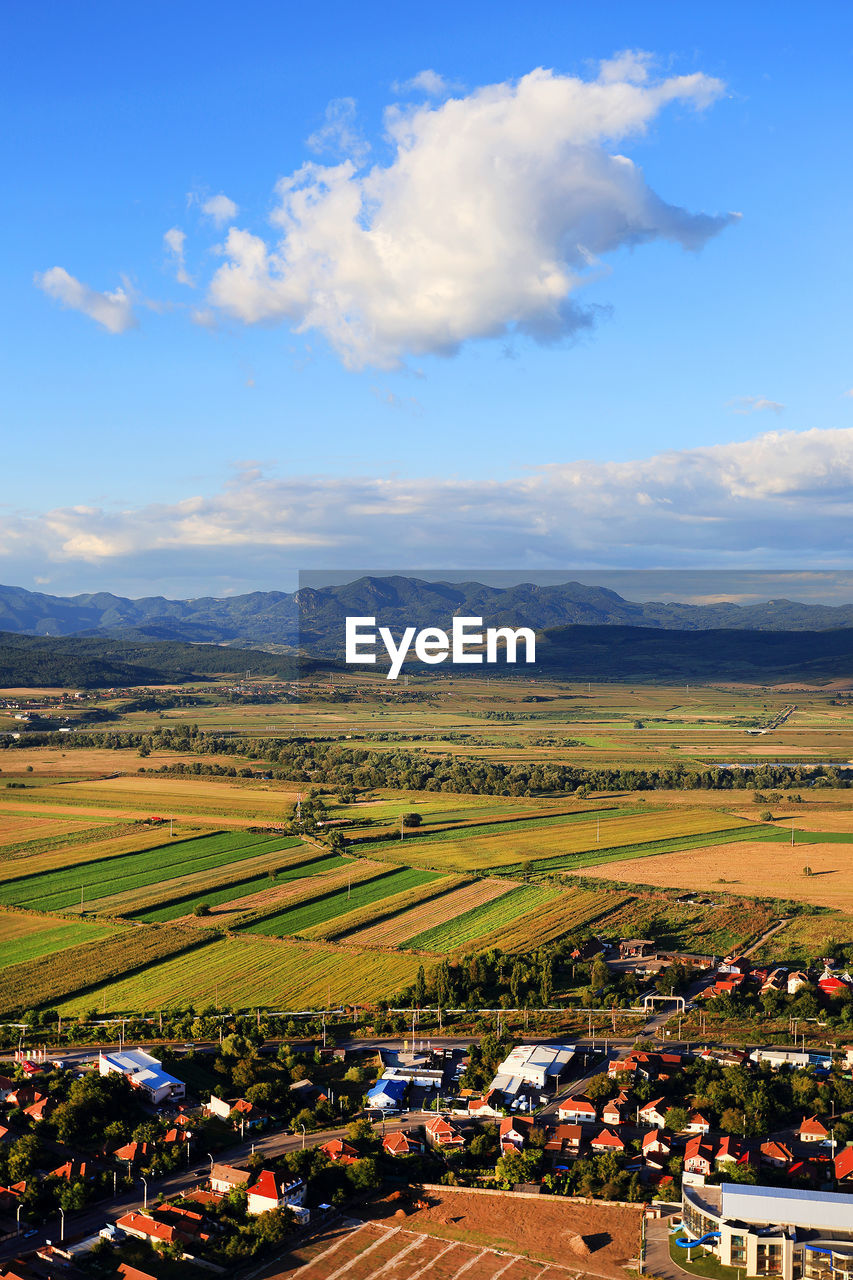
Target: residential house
844 1165
441 1133
564 1140
776 1154
144 1227
578 1110
135 1152
613 1112
654 1113
730 1151
812 1130
607 1140
490 1104
698 1123
127 1272
514 1133
699 1156
796 981
401 1144
272 1191
339 1152
387 1094
225 1177
657 1142
637 948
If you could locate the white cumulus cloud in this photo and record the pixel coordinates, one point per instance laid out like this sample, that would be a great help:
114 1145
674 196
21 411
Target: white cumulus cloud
486 220
220 209
340 134
113 311
781 500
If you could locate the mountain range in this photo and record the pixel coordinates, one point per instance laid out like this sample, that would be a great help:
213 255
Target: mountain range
313 618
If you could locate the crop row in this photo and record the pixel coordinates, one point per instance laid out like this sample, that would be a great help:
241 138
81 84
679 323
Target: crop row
648 848
386 914
135 902
466 897
24 937
328 905
513 826
572 910
452 934
246 973
53 891
235 891
54 977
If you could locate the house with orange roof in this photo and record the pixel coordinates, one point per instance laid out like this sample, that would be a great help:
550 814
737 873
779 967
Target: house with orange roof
812 1130
698 1123
578 1110
654 1113
339 1152
607 1140
441 1133
699 1156
401 1144
657 1142
775 1154
564 1140
144 1227
513 1133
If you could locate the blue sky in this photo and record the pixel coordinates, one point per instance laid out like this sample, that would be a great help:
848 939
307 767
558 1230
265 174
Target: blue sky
210 447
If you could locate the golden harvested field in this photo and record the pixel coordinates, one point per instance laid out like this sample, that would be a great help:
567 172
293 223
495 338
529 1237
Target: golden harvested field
267 972
397 930
244 800
93 762
474 852
17 826
750 868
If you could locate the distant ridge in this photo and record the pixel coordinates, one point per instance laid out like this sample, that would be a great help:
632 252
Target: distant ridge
313 617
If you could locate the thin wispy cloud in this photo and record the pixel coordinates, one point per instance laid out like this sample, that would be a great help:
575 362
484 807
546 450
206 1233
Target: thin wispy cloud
427 81
780 499
340 134
113 311
174 240
754 404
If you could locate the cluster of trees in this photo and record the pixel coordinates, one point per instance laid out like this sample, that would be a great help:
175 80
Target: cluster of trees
332 763
835 1010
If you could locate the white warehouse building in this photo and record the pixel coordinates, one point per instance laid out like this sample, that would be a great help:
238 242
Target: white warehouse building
144 1072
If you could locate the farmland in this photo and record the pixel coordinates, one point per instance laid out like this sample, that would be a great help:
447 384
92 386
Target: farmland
24 937
356 901
327 906
753 869
596 835
256 971
90 881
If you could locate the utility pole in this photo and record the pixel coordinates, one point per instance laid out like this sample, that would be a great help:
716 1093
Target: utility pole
401 826
81 899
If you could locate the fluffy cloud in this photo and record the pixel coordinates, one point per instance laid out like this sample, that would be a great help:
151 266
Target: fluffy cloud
220 209
114 311
782 499
426 81
174 240
487 219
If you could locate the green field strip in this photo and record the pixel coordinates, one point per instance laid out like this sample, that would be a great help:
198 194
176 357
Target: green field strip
239 889
45 938
649 848
327 906
484 919
362 918
56 890
506 826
